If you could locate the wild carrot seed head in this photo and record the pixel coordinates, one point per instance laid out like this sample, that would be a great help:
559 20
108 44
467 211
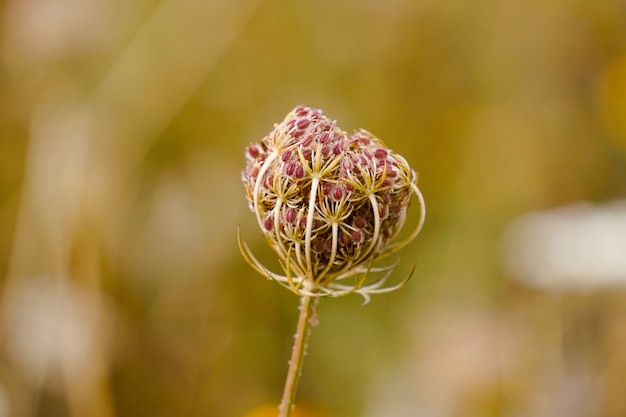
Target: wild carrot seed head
350 193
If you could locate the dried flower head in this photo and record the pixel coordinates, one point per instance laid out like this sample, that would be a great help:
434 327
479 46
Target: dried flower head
329 204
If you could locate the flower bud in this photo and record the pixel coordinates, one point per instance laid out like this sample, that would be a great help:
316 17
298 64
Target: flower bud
343 199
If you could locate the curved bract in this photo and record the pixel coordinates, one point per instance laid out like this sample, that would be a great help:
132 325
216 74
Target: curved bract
330 204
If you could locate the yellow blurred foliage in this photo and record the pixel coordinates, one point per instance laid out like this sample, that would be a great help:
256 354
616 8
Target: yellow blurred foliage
272 411
123 127
612 100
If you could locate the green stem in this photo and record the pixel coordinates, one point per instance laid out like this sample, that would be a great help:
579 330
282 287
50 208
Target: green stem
307 305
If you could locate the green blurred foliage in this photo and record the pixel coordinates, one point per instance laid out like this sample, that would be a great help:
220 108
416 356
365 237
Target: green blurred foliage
122 132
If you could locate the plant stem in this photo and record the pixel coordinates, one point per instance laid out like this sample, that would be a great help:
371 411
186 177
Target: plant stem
307 305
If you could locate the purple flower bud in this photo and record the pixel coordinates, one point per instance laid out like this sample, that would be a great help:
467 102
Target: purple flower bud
301 111
337 193
286 155
358 222
357 237
307 140
381 153
299 172
291 215
383 211
253 151
294 169
316 114
302 123
361 138
327 188
253 171
390 172
268 223
339 147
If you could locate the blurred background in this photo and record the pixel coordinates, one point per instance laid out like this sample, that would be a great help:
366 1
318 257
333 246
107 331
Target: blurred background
123 127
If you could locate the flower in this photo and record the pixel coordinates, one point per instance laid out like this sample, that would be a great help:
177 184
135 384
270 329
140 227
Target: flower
330 204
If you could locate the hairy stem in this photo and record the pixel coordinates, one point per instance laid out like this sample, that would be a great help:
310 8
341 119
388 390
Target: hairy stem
307 305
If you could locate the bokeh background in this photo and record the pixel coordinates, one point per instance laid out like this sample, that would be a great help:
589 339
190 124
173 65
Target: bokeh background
123 127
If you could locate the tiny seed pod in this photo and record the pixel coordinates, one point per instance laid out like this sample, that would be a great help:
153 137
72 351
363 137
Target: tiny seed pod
381 153
290 168
286 155
253 151
303 124
299 171
336 193
291 215
268 223
357 237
